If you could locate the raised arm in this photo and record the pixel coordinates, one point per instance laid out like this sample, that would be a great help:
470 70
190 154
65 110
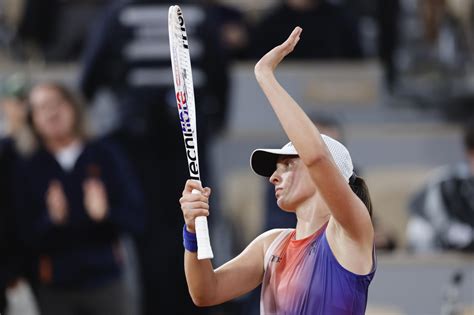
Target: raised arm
237 277
346 208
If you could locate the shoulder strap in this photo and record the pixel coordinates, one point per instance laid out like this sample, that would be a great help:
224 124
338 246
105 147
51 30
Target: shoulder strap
283 234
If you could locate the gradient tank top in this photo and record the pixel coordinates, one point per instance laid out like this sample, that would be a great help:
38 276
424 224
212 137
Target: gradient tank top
304 277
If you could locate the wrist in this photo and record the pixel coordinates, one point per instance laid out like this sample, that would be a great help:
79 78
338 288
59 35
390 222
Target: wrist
262 72
264 77
189 240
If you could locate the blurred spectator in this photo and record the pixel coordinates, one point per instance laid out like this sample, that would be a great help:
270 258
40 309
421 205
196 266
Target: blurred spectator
388 23
447 31
13 109
331 31
437 14
75 198
442 212
58 27
434 55
10 11
128 55
232 27
13 92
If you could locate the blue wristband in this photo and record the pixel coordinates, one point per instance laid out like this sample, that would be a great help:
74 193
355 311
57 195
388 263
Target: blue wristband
189 240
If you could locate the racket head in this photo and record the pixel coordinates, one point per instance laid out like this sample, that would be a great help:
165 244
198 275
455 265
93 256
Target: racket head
184 87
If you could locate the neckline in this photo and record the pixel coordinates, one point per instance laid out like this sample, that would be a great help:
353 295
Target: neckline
67 157
295 243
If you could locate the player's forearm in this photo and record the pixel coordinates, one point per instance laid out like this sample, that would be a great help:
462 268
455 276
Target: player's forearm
297 125
201 279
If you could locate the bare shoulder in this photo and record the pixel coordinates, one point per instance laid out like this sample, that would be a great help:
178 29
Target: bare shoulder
267 238
254 253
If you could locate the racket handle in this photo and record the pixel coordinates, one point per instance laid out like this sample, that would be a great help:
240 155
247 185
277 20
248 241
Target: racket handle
203 240
202 236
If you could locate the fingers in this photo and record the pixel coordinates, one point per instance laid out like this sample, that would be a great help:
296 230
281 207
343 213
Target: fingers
190 197
196 209
55 192
192 210
293 39
194 205
295 34
190 185
272 59
93 186
195 185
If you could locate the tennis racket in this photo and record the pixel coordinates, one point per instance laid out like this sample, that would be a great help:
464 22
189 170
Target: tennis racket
183 84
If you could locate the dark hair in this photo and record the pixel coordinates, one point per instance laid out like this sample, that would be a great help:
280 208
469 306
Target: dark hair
359 187
469 134
72 99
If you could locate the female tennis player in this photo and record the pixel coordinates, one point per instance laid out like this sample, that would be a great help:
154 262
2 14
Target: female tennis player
324 265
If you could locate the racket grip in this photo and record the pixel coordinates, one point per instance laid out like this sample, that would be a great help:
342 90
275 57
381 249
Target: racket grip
203 240
202 236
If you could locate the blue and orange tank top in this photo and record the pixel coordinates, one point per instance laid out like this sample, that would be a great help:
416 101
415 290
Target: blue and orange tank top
304 277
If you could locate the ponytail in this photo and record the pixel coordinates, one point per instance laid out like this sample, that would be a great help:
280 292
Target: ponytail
359 187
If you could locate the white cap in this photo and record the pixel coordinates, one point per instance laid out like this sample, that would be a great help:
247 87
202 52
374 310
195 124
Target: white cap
263 161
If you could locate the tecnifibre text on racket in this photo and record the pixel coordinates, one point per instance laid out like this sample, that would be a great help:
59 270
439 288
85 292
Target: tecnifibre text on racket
183 84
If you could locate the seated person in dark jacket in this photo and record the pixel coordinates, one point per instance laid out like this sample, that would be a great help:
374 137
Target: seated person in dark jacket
13 112
331 31
76 197
442 211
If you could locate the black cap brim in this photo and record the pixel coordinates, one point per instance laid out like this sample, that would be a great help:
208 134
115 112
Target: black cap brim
263 161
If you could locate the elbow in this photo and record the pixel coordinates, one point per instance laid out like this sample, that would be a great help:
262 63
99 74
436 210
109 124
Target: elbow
201 300
257 71
261 73
202 297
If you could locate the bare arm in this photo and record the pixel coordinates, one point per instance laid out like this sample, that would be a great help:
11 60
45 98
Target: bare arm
238 276
346 208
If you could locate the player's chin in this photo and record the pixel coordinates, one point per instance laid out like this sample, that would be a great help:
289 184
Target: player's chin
285 206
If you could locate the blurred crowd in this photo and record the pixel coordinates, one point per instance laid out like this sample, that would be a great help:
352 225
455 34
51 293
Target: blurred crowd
426 47
90 222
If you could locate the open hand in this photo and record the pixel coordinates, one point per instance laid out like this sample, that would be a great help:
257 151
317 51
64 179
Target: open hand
56 203
95 199
194 205
270 61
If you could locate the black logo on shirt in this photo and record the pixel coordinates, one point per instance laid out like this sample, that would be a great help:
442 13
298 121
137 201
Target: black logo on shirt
275 259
